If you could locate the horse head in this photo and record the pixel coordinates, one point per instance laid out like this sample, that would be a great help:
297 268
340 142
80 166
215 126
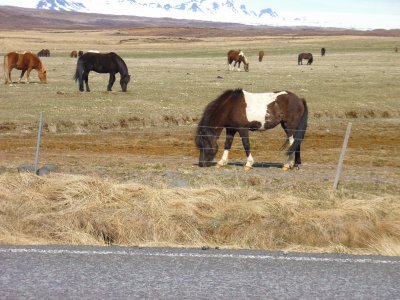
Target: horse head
124 82
42 75
206 142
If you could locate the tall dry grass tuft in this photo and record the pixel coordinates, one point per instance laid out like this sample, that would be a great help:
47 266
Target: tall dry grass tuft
68 209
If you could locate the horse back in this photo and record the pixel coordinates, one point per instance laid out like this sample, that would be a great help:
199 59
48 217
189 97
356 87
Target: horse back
31 60
99 62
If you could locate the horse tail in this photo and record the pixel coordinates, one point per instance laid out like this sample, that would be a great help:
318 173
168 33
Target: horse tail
5 67
78 70
300 130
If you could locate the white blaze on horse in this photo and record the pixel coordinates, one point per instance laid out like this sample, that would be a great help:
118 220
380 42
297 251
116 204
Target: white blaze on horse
238 111
236 57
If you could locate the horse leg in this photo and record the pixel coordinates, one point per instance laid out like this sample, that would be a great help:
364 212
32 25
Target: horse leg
230 65
297 158
230 134
85 77
8 77
22 75
244 134
28 73
295 155
239 66
111 82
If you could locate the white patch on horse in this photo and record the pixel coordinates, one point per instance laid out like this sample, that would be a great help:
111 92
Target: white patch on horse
291 140
256 105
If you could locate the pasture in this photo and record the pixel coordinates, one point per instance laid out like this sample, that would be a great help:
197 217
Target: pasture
124 158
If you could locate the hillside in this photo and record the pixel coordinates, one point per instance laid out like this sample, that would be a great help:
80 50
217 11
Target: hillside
15 18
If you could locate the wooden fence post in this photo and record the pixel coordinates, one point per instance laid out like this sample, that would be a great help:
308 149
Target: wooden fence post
342 152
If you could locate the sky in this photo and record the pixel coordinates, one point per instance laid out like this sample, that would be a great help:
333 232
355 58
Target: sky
360 14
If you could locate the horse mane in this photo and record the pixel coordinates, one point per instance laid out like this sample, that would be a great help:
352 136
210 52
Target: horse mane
121 63
209 123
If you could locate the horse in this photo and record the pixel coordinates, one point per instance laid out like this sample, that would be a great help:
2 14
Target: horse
23 61
44 53
260 55
73 54
80 53
238 57
238 111
307 56
101 63
323 51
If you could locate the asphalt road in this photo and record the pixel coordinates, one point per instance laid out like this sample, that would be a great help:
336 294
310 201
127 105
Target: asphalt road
58 272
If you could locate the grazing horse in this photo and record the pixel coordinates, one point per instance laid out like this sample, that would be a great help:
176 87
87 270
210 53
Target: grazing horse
238 57
241 111
101 63
74 54
23 61
80 53
307 56
260 55
44 53
323 51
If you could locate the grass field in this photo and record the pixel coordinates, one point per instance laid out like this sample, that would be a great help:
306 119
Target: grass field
113 142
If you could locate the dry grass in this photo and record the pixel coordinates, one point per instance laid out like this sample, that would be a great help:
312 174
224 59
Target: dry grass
66 209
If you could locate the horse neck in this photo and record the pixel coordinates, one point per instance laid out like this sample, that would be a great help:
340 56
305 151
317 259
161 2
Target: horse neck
122 68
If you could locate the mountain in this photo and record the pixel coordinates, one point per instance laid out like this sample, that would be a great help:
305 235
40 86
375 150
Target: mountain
204 10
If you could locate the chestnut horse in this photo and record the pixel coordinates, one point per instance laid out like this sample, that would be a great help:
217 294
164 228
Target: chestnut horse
23 61
241 111
307 56
238 57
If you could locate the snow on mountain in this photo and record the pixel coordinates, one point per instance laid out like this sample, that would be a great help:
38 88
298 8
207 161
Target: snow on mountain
206 10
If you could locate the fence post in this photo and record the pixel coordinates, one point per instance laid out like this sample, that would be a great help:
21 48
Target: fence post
342 152
38 143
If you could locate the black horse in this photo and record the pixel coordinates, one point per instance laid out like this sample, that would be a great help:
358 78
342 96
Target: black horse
101 63
323 51
307 56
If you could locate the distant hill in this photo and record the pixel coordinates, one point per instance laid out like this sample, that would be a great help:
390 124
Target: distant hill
16 18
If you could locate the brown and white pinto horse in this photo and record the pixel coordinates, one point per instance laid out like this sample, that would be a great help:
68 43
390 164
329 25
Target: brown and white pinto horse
23 61
238 57
239 111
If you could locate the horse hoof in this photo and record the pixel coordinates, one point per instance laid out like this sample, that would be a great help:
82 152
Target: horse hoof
285 168
219 166
247 168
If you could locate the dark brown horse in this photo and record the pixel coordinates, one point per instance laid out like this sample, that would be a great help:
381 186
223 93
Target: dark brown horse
260 55
240 112
323 51
307 56
44 53
23 61
101 63
238 57
74 54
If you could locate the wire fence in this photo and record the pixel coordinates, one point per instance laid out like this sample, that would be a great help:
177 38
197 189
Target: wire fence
175 145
